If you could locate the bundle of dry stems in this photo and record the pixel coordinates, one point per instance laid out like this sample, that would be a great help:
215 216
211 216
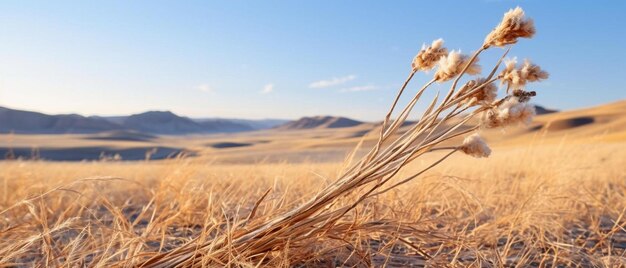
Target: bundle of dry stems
255 240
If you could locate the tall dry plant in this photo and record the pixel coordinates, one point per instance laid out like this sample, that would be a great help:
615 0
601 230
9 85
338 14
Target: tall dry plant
446 117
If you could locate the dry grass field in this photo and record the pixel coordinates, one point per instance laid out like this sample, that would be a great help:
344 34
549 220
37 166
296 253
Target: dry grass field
473 179
545 197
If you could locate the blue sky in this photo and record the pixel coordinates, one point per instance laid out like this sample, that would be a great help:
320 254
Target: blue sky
283 59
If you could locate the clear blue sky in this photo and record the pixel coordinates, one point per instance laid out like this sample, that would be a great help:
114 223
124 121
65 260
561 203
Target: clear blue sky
257 59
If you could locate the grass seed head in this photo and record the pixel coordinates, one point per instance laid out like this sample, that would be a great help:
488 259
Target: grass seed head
451 66
514 25
486 95
532 72
427 58
511 111
524 96
475 146
517 77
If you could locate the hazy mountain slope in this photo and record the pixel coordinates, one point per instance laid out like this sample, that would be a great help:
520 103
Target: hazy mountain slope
255 124
540 110
32 122
319 122
152 122
164 122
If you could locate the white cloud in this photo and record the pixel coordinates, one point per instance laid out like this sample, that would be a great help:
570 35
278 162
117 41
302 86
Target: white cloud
332 82
205 88
359 88
267 89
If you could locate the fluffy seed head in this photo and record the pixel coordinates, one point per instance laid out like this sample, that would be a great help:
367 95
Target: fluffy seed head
471 84
523 95
511 111
451 66
428 56
475 146
532 72
485 95
513 26
517 77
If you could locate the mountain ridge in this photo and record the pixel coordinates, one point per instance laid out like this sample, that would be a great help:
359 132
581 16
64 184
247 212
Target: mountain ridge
322 121
163 123
150 122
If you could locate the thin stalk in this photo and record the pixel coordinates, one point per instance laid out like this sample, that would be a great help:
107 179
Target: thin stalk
416 175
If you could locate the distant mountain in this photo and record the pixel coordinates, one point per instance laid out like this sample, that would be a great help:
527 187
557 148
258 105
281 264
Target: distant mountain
32 122
164 122
152 122
542 110
320 122
160 122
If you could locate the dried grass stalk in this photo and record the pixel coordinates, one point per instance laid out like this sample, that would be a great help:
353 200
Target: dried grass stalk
252 240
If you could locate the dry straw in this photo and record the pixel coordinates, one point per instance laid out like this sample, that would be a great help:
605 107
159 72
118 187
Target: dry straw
446 117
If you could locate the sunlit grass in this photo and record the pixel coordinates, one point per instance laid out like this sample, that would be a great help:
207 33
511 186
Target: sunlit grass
547 204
